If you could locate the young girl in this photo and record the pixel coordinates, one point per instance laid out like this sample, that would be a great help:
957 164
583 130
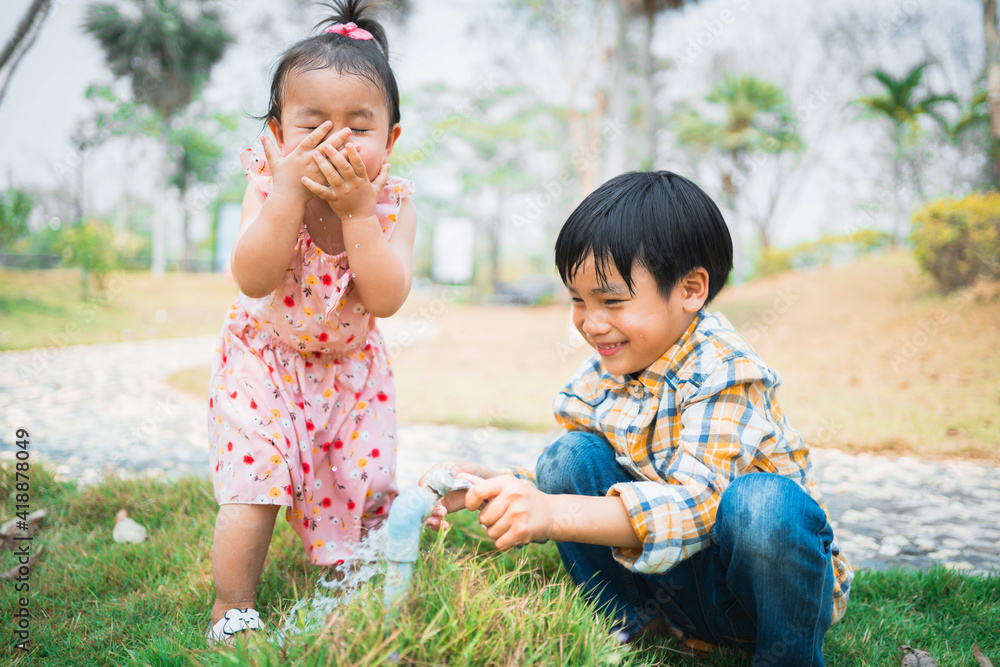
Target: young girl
301 402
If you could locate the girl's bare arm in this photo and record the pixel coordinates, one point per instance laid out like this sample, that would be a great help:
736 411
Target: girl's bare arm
382 269
269 227
268 231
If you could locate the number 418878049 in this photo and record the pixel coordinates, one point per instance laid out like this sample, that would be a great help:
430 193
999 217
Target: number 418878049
22 484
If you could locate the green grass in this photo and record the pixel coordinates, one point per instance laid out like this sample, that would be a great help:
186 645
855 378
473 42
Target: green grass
46 308
95 602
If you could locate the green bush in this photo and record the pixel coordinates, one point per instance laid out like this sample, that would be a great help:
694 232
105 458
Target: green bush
870 240
15 207
92 246
42 241
958 240
774 260
826 249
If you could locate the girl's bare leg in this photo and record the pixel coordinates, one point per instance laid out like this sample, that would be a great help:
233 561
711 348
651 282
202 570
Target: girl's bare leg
242 536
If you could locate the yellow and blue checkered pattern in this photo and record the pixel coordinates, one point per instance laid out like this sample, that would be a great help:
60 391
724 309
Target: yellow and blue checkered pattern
704 413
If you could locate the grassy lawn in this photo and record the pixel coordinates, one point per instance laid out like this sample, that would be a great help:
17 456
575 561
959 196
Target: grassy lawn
95 602
46 308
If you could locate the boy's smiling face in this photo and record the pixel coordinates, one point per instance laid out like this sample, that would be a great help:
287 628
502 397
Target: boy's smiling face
632 330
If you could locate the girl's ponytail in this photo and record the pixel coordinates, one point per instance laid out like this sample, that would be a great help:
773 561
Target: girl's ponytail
359 13
352 43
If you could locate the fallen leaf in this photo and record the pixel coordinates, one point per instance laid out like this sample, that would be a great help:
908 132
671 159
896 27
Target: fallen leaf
10 530
14 572
981 659
34 521
916 658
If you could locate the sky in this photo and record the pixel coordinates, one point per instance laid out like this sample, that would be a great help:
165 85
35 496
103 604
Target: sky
460 43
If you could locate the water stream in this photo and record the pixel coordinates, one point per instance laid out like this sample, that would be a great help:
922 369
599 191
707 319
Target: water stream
396 543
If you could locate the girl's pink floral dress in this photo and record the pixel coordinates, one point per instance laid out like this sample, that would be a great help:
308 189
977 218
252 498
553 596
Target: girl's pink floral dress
301 405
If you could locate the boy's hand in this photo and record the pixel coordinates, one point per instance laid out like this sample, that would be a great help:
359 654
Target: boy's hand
455 500
288 171
516 512
350 194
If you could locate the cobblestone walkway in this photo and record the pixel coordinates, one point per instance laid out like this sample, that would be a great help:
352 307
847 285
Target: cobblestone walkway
91 407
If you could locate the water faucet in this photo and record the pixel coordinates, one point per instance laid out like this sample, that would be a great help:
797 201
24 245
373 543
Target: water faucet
409 511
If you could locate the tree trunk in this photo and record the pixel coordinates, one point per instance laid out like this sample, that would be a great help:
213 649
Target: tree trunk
587 169
899 223
22 40
649 91
159 266
495 222
186 247
617 150
81 147
741 268
992 35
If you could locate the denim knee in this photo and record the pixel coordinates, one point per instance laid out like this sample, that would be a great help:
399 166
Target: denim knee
578 462
764 509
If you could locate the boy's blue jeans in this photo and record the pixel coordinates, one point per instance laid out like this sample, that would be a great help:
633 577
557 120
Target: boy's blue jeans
765 584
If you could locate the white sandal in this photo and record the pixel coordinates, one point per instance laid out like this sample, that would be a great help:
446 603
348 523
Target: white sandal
234 620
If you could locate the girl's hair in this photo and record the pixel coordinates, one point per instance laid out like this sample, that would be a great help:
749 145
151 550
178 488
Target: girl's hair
368 59
659 220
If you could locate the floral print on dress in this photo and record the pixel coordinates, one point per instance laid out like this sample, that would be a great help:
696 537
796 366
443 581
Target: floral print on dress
302 399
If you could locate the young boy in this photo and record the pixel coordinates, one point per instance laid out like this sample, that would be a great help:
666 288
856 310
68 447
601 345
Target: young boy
679 495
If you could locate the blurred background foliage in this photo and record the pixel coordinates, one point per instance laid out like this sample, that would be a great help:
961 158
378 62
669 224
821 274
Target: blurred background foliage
590 92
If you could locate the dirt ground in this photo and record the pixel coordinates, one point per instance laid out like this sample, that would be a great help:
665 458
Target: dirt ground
872 357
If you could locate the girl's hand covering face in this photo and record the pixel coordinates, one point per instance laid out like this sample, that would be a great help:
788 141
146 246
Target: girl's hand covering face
287 171
347 189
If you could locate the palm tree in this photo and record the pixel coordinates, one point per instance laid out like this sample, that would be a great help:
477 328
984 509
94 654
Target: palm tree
167 51
971 116
756 121
903 109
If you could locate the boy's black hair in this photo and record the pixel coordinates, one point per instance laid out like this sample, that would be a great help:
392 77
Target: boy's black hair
368 59
660 220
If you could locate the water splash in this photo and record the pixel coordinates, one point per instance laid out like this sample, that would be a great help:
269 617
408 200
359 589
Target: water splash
371 557
332 592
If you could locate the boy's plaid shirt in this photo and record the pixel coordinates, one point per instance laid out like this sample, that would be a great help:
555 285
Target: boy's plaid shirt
704 413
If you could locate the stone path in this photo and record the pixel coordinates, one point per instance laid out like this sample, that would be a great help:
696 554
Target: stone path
91 407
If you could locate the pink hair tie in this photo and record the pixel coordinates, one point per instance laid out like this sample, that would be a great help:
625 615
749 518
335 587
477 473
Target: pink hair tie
350 30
